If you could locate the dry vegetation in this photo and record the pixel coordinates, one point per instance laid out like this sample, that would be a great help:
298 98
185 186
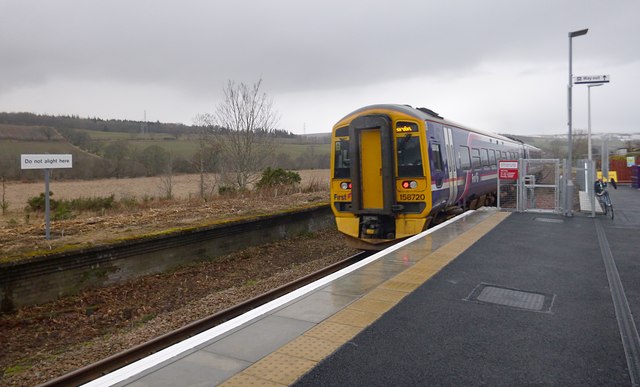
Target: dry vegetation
142 211
45 341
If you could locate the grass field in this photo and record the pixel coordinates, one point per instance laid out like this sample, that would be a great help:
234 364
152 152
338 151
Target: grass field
115 136
184 187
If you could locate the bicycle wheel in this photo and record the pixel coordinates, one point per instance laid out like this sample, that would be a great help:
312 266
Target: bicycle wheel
610 210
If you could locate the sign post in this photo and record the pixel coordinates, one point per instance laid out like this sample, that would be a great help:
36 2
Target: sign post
46 162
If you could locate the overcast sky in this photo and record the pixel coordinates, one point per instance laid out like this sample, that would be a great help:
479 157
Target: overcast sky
495 65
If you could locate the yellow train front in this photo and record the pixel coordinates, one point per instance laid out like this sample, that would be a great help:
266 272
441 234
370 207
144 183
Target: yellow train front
380 187
395 169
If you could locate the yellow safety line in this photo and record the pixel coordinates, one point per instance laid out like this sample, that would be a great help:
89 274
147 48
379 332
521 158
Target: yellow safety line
291 361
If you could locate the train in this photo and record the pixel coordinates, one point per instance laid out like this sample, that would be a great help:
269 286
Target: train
396 170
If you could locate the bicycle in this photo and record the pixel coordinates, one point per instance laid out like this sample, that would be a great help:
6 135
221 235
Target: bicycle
603 197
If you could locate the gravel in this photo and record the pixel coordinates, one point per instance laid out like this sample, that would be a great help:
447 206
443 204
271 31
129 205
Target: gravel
43 342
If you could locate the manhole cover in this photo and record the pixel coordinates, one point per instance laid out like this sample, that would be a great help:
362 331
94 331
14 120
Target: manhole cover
513 298
549 220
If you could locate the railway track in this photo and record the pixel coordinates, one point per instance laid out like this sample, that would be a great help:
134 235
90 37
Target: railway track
96 370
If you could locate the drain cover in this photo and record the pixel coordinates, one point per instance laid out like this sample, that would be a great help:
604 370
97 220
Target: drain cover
513 298
549 220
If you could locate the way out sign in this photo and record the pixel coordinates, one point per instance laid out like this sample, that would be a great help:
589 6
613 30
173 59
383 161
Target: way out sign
46 162
508 169
586 79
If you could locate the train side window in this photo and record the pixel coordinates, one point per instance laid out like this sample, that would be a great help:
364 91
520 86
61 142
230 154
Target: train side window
484 156
465 158
409 156
436 157
492 158
342 162
475 158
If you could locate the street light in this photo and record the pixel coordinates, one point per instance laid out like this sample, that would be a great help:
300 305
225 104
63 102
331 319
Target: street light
568 210
589 113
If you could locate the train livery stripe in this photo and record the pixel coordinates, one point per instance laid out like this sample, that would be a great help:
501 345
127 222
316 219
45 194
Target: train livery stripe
446 184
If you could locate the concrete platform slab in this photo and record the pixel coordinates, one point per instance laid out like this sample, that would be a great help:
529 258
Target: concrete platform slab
252 343
316 307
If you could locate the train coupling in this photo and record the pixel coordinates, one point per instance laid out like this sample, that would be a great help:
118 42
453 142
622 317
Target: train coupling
377 227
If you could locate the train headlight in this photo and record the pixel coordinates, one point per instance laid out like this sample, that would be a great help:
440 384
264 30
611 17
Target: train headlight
345 185
409 184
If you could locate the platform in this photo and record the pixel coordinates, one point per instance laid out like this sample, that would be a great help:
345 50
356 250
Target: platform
490 298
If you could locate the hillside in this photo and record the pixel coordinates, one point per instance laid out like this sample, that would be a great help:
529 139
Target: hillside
100 152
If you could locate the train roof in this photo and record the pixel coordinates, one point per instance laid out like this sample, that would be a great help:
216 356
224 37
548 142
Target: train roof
429 115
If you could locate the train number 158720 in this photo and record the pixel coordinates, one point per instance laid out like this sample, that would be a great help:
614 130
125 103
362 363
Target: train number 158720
411 197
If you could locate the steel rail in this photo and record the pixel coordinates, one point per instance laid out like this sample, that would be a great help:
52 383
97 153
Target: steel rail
119 360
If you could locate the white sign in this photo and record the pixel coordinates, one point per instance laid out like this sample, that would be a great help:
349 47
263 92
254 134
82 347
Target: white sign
508 165
591 79
46 161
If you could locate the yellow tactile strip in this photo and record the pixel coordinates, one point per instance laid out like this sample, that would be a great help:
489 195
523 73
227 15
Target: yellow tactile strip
300 355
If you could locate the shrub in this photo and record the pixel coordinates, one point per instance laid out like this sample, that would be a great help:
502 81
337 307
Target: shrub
91 204
36 203
62 211
274 178
227 190
63 208
315 185
129 202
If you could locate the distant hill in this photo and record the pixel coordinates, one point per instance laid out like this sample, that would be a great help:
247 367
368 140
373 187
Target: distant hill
117 148
29 133
100 125
97 124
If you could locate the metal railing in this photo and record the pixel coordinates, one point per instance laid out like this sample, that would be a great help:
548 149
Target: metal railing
537 188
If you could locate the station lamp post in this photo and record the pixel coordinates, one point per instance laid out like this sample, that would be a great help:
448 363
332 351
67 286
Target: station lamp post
568 210
589 113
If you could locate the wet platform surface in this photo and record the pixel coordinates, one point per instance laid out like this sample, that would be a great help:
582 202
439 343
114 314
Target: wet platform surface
491 298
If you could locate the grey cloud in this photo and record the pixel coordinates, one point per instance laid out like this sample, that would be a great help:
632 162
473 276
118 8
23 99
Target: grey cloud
195 46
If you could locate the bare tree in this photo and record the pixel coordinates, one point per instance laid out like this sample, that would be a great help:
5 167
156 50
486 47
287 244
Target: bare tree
166 180
3 203
247 121
206 159
580 147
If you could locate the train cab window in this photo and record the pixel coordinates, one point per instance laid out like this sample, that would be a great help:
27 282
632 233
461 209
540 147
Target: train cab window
436 157
475 158
342 162
409 156
492 158
465 158
342 132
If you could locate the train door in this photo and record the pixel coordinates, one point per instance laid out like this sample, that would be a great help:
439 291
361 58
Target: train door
439 187
371 169
451 165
